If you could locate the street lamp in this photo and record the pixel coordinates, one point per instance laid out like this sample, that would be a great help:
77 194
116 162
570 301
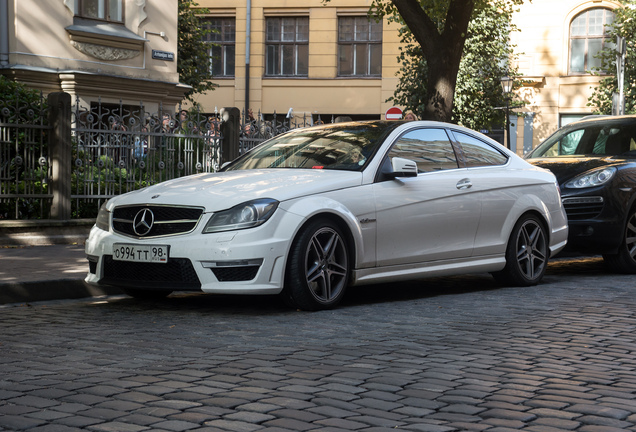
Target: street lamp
506 86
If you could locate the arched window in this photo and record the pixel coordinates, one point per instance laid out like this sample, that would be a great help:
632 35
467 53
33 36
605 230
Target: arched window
587 38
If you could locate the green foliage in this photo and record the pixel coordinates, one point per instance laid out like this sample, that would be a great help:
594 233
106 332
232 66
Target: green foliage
437 32
624 25
486 58
13 91
193 51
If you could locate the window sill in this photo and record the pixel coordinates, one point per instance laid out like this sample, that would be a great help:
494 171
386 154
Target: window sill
285 76
105 41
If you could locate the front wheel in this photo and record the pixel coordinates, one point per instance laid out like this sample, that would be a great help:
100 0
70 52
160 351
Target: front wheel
318 270
527 254
625 260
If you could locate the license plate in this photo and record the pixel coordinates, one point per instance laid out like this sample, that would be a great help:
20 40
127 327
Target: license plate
140 253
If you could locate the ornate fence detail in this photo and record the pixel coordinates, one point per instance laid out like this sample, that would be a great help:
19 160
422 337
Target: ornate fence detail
25 168
61 160
119 149
255 128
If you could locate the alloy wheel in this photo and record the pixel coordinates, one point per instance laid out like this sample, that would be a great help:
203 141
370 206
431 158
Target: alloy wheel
531 249
326 264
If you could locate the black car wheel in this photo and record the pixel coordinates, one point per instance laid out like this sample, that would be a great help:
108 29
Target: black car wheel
319 269
625 260
526 254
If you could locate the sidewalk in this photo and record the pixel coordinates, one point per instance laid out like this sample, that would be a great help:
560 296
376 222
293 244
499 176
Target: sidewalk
37 273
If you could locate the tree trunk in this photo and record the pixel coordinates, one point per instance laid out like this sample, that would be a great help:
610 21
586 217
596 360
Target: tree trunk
440 88
442 51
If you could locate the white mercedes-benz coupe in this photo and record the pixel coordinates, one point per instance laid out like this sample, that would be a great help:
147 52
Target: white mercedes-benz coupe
312 211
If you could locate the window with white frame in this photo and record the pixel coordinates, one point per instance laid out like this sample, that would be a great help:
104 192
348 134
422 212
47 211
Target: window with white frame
359 47
106 10
588 37
287 46
222 38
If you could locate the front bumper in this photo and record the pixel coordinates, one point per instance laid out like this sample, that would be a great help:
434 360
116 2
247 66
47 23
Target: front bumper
247 262
596 220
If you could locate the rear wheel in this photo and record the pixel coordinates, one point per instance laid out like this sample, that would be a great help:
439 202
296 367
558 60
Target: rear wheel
625 260
318 270
527 254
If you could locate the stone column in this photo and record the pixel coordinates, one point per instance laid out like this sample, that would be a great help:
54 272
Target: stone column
60 151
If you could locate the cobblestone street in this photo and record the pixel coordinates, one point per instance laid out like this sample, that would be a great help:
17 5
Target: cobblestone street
446 354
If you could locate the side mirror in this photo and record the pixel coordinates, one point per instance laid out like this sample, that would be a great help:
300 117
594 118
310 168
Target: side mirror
401 167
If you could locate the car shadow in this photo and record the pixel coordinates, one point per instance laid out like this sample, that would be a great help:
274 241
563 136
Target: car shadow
248 305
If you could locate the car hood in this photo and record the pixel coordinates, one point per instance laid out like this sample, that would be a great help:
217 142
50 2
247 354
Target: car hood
566 168
219 191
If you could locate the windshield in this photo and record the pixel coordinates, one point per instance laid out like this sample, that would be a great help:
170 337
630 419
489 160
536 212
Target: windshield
346 146
594 139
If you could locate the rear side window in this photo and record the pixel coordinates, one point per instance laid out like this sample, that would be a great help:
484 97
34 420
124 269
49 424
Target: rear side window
478 153
430 149
596 139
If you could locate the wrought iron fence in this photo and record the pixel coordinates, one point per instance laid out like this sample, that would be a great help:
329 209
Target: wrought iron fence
114 148
258 128
120 148
25 168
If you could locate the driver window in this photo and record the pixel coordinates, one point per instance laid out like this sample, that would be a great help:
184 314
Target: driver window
430 149
568 144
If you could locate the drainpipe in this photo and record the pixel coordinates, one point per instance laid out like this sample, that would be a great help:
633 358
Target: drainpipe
4 33
248 37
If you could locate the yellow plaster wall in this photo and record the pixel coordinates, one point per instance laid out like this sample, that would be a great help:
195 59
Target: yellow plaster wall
322 91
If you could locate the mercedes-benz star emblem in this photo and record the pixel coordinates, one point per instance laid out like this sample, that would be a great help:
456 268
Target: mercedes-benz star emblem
142 224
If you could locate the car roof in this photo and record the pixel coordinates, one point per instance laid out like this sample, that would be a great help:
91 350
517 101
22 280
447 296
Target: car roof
603 119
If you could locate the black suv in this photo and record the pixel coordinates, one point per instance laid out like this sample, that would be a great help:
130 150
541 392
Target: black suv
594 161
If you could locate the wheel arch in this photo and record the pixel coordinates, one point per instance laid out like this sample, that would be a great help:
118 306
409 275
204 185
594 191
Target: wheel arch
339 221
540 216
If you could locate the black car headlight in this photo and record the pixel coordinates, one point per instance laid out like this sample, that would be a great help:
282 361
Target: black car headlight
593 178
103 218
246 215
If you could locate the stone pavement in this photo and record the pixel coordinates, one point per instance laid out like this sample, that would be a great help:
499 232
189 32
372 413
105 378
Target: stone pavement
445 354
51 272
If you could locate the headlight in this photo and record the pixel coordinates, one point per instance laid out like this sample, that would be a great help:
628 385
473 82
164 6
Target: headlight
247 215
103 218
591 179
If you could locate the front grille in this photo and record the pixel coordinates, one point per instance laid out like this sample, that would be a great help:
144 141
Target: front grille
235 274
167 220
583 208
177 272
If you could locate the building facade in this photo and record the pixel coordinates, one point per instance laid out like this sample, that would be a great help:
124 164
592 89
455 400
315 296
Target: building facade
329 59
315 58
557 44
116 51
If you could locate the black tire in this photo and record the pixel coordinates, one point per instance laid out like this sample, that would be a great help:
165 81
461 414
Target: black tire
527 254
146 294
318 269
624 261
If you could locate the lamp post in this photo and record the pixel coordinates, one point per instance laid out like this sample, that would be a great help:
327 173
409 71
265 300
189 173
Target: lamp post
506 86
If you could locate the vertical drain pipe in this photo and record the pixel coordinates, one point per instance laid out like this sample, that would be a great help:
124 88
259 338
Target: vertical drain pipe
248 39
4 33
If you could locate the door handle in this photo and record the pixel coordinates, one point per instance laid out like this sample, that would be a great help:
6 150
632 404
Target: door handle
464 184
